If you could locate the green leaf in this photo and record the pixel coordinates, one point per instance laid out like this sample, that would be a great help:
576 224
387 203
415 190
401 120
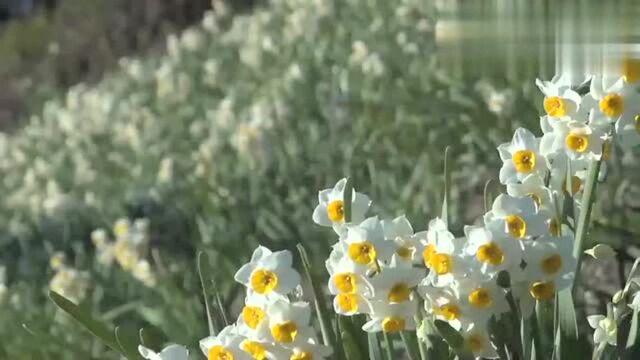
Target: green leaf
566 340
127 340
585 214
447 188
435 345
204 269
328 336
347 200
349 337
454 339
84 318
58 342
151 338
375 353
633 330
488 195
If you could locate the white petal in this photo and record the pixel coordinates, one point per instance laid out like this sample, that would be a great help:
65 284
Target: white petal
593 320
244 273
174 352
148 353
374 325
207 343
508 173
320 216
259 253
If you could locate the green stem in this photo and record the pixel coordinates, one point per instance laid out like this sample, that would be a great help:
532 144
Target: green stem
515 318
328 336
388 347
408 346
585 215
422 348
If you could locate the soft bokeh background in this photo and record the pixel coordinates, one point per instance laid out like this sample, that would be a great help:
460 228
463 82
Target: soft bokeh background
218 123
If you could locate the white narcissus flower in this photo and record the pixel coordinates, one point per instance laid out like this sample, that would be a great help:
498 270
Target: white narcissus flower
409 245
606 329
613 102
442 256
348 281
494 253
550 266
391 318
521 157
309 349
533 187
577 140
628 128
269 273
476 339
517 218
549 258
253 319
480 297
171 352
330 208
365 244
396 282
561 167
444 304
560 101
289 322
225 345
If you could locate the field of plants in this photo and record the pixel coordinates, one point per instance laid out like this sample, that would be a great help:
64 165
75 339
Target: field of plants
132 205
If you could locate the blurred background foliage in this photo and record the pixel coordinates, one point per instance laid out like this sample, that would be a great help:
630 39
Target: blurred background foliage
222 138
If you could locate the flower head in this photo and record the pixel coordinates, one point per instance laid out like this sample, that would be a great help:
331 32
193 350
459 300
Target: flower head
269 274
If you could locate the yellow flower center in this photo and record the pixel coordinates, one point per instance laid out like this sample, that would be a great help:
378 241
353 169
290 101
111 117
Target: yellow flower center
335 211
348 303
264 281
449 311
256 350
536 199
253 316
218 352
516 226
475 342
393 324
345 282
554 227
555 106
631 70
490 253
427 255
301 356
362 253
285 332
577 142
480 298
576 184
442 263
551 264
400 292
542 290
405 252
612 105
524 161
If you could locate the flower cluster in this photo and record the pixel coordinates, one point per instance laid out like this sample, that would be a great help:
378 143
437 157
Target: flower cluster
377 267
67 281
272 323
129 248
